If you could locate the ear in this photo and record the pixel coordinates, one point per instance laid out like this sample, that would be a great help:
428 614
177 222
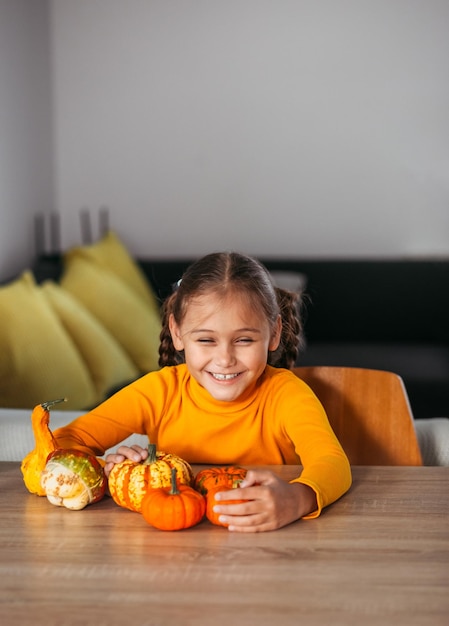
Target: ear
276 335
175 333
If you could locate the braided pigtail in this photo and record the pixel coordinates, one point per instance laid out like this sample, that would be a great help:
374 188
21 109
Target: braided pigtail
168 355
292 340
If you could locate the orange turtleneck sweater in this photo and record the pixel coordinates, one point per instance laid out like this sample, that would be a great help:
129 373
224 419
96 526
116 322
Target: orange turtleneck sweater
281 422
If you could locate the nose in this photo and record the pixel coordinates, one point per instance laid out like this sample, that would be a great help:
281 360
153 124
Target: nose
224 355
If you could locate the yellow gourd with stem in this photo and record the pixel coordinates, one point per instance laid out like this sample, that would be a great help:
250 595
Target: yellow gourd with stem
35 461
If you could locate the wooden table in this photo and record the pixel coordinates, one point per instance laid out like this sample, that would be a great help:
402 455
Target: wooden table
380 555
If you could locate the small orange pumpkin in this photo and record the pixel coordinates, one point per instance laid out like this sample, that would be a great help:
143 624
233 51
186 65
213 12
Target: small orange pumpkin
211 502
173 508
228 476
129 481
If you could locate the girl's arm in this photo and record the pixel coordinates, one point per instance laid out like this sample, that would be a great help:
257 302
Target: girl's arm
131 410
299 421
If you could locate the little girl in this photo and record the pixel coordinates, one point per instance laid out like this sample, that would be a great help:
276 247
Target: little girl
224 395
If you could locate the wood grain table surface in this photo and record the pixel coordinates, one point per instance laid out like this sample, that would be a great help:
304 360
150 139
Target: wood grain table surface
380 555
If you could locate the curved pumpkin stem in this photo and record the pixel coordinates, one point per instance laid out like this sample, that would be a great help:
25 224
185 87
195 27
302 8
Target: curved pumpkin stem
50 403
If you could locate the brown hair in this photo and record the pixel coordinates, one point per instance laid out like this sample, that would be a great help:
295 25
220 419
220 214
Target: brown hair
221 272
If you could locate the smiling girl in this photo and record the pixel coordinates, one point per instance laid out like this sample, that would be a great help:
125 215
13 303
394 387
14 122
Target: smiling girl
225 395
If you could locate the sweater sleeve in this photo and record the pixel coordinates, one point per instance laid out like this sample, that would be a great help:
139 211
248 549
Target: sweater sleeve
326 468
131 410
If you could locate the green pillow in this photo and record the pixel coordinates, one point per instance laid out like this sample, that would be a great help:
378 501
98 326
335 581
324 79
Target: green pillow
135 325
107 362
38 359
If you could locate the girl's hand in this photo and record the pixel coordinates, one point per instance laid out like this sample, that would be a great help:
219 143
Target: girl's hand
271 503
134 453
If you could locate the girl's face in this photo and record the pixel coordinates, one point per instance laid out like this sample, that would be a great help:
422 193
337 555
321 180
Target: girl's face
225 343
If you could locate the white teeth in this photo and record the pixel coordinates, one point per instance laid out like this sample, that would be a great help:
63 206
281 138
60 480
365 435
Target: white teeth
224 376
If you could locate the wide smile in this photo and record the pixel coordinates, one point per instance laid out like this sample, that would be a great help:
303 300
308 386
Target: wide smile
224 377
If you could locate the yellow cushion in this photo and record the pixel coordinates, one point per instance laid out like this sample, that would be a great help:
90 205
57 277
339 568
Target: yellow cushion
107 362
134 324
110 253
38 359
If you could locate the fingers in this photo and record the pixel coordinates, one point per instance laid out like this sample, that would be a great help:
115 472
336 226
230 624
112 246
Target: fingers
107 469
255 522
256 487
134 453
258 477
269 503
254 514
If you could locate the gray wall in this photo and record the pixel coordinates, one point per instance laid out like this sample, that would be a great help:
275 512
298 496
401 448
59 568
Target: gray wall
279 128
26 150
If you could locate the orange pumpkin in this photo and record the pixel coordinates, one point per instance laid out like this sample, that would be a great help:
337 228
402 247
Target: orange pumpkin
129 481
211 502
34 462
173 508
229 476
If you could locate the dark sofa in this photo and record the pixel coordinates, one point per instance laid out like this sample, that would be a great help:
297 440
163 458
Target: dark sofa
385 314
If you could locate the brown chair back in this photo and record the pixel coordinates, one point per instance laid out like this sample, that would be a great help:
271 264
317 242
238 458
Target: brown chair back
369 412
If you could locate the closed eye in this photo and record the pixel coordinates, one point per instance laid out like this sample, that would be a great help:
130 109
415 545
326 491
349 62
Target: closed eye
241 340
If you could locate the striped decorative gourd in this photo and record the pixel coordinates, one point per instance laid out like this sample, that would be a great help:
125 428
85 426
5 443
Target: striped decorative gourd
129 481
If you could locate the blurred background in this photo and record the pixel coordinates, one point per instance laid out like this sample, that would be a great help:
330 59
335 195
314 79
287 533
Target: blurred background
279 128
